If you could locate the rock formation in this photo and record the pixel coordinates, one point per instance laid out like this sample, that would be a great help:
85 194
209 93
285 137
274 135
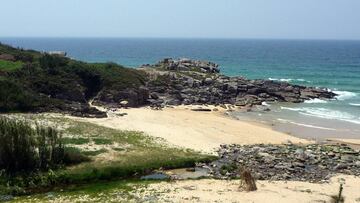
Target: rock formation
176 82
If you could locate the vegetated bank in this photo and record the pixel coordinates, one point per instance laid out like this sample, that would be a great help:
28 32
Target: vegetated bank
42 159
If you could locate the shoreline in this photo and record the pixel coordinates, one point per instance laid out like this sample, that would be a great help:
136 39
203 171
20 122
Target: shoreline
196 130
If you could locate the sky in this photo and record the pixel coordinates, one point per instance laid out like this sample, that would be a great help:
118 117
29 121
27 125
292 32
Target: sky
267 19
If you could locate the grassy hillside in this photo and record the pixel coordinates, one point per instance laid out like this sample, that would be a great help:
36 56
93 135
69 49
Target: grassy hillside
41 82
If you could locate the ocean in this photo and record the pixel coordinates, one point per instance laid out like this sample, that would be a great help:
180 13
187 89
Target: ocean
330 64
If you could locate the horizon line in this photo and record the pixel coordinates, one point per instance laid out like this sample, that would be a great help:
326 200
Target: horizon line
188 38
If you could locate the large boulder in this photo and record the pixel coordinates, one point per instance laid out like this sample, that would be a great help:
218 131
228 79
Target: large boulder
134 96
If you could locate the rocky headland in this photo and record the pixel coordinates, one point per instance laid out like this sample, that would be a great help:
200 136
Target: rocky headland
185 81
43 82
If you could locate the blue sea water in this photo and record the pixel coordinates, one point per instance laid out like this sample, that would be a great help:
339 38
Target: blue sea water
330 64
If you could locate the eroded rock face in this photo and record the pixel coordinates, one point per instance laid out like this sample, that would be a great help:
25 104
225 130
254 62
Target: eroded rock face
174 86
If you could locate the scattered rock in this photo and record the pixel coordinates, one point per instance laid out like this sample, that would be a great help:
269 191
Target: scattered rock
313 163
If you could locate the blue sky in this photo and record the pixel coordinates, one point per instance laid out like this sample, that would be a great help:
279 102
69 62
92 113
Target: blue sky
295 19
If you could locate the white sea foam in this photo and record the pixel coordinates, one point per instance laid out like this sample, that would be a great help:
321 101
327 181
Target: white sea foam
305 125
288 79
326 114
265 104
292 109
344 95
354 104
315 101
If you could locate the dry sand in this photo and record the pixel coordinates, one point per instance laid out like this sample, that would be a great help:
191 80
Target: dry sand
203 131
207 190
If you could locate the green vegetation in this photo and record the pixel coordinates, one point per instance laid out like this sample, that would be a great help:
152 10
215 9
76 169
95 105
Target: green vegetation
75 141
114 191
24 149
45 82
103 161
102 141
228 168
9 65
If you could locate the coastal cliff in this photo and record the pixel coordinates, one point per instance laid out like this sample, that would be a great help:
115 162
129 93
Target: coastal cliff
40 82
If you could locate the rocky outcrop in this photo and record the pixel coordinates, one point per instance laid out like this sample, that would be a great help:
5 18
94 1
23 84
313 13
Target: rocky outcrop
177 87
134 97
186 65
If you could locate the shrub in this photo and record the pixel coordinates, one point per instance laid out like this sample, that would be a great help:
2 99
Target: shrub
13 97
73 156
17 146
24 149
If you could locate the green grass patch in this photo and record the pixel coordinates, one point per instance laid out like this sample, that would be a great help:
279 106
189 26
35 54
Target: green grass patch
105 191
75 141
102 141
94 153
9 65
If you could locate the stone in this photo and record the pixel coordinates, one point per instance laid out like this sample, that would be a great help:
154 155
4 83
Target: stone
340 166
208 81
154 95
124 103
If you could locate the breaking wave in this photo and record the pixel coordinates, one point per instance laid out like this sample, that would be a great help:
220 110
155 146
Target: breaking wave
305 125
316 101
288 79
354 104
344 95
326 114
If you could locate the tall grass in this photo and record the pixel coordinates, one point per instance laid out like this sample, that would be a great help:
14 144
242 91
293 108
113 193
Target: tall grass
25 149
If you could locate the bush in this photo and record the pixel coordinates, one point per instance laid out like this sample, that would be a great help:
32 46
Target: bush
74 156
14 98
24 149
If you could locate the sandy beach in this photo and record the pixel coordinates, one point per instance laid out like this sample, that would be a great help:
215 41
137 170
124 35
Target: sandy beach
205 131
197 130
208 190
